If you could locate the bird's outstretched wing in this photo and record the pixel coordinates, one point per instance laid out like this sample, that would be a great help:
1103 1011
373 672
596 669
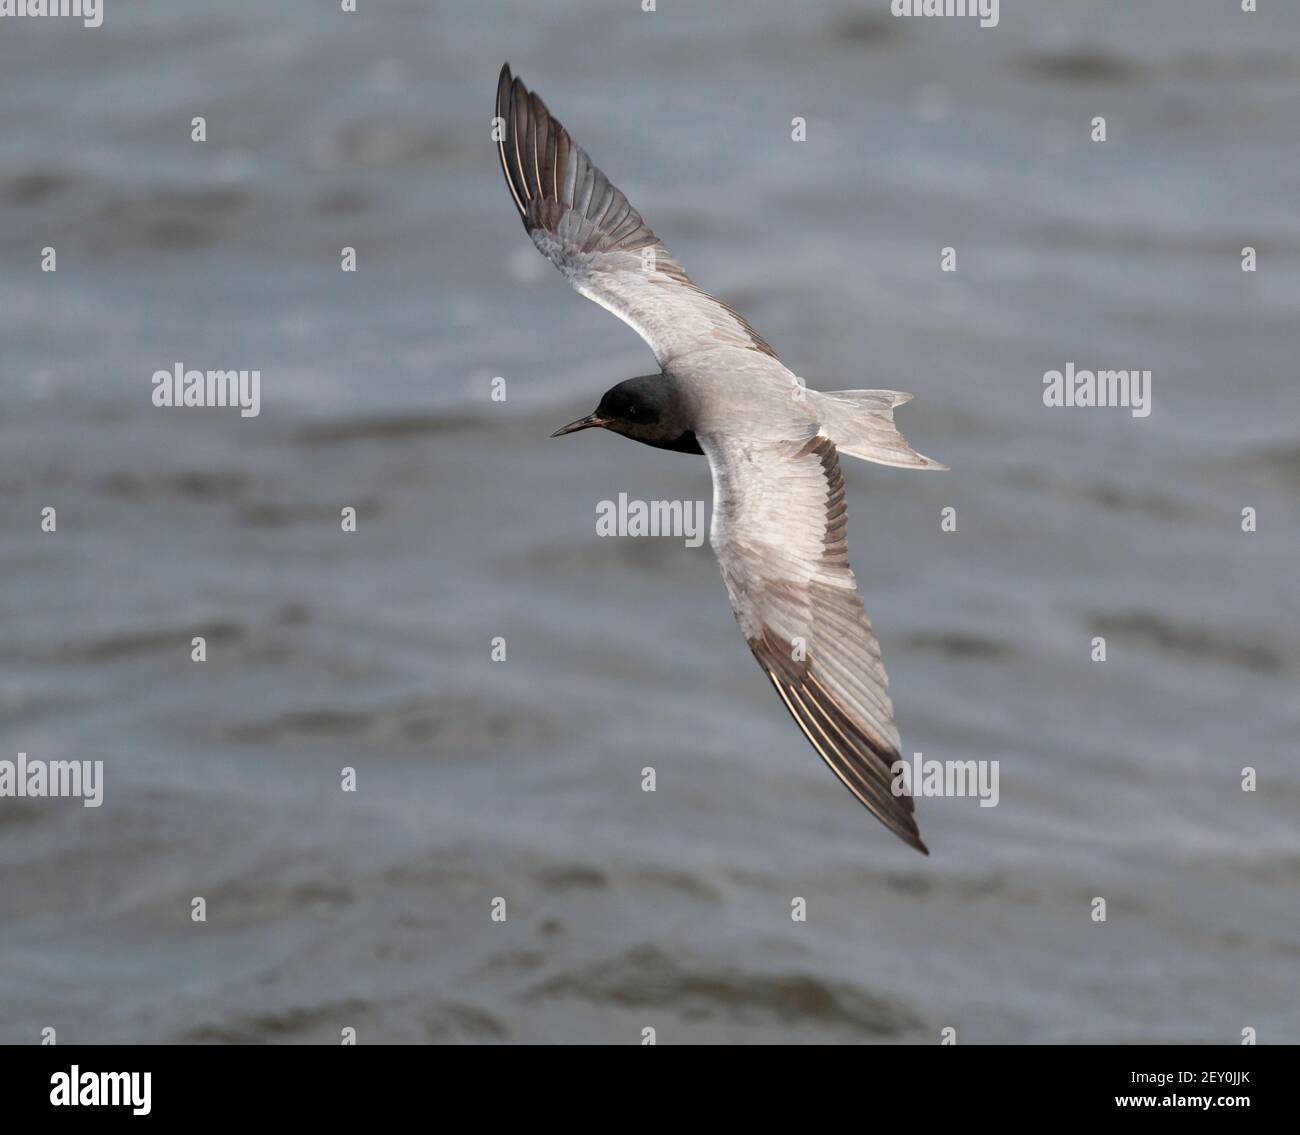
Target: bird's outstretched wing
585 226
778 530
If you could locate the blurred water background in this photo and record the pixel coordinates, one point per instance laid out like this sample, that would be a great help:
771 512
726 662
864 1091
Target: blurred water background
522 779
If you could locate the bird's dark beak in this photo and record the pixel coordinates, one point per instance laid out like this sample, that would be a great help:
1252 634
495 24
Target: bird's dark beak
581 424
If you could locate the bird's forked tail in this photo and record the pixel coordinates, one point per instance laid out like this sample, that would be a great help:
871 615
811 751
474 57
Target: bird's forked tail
861 424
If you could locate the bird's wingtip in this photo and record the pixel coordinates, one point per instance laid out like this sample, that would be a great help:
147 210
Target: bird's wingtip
911 835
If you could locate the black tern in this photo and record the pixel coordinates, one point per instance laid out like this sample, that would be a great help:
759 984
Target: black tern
773 447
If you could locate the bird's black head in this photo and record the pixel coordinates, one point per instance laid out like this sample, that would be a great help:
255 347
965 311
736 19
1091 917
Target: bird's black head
646 409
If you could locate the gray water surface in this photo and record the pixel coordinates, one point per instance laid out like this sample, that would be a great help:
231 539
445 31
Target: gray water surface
522 779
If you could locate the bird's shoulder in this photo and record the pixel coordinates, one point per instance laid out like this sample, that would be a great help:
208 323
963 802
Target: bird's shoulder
741 395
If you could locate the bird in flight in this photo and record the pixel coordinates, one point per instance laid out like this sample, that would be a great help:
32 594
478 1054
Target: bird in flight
773 446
